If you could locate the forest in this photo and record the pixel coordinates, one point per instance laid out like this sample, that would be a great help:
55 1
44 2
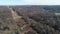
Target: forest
30 19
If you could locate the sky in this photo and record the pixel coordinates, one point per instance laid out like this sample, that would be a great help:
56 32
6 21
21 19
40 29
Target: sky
29 2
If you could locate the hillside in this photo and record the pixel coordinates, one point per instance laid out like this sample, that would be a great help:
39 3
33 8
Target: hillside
28 20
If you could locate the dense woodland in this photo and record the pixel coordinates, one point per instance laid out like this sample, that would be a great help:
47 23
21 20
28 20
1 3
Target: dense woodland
29 19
